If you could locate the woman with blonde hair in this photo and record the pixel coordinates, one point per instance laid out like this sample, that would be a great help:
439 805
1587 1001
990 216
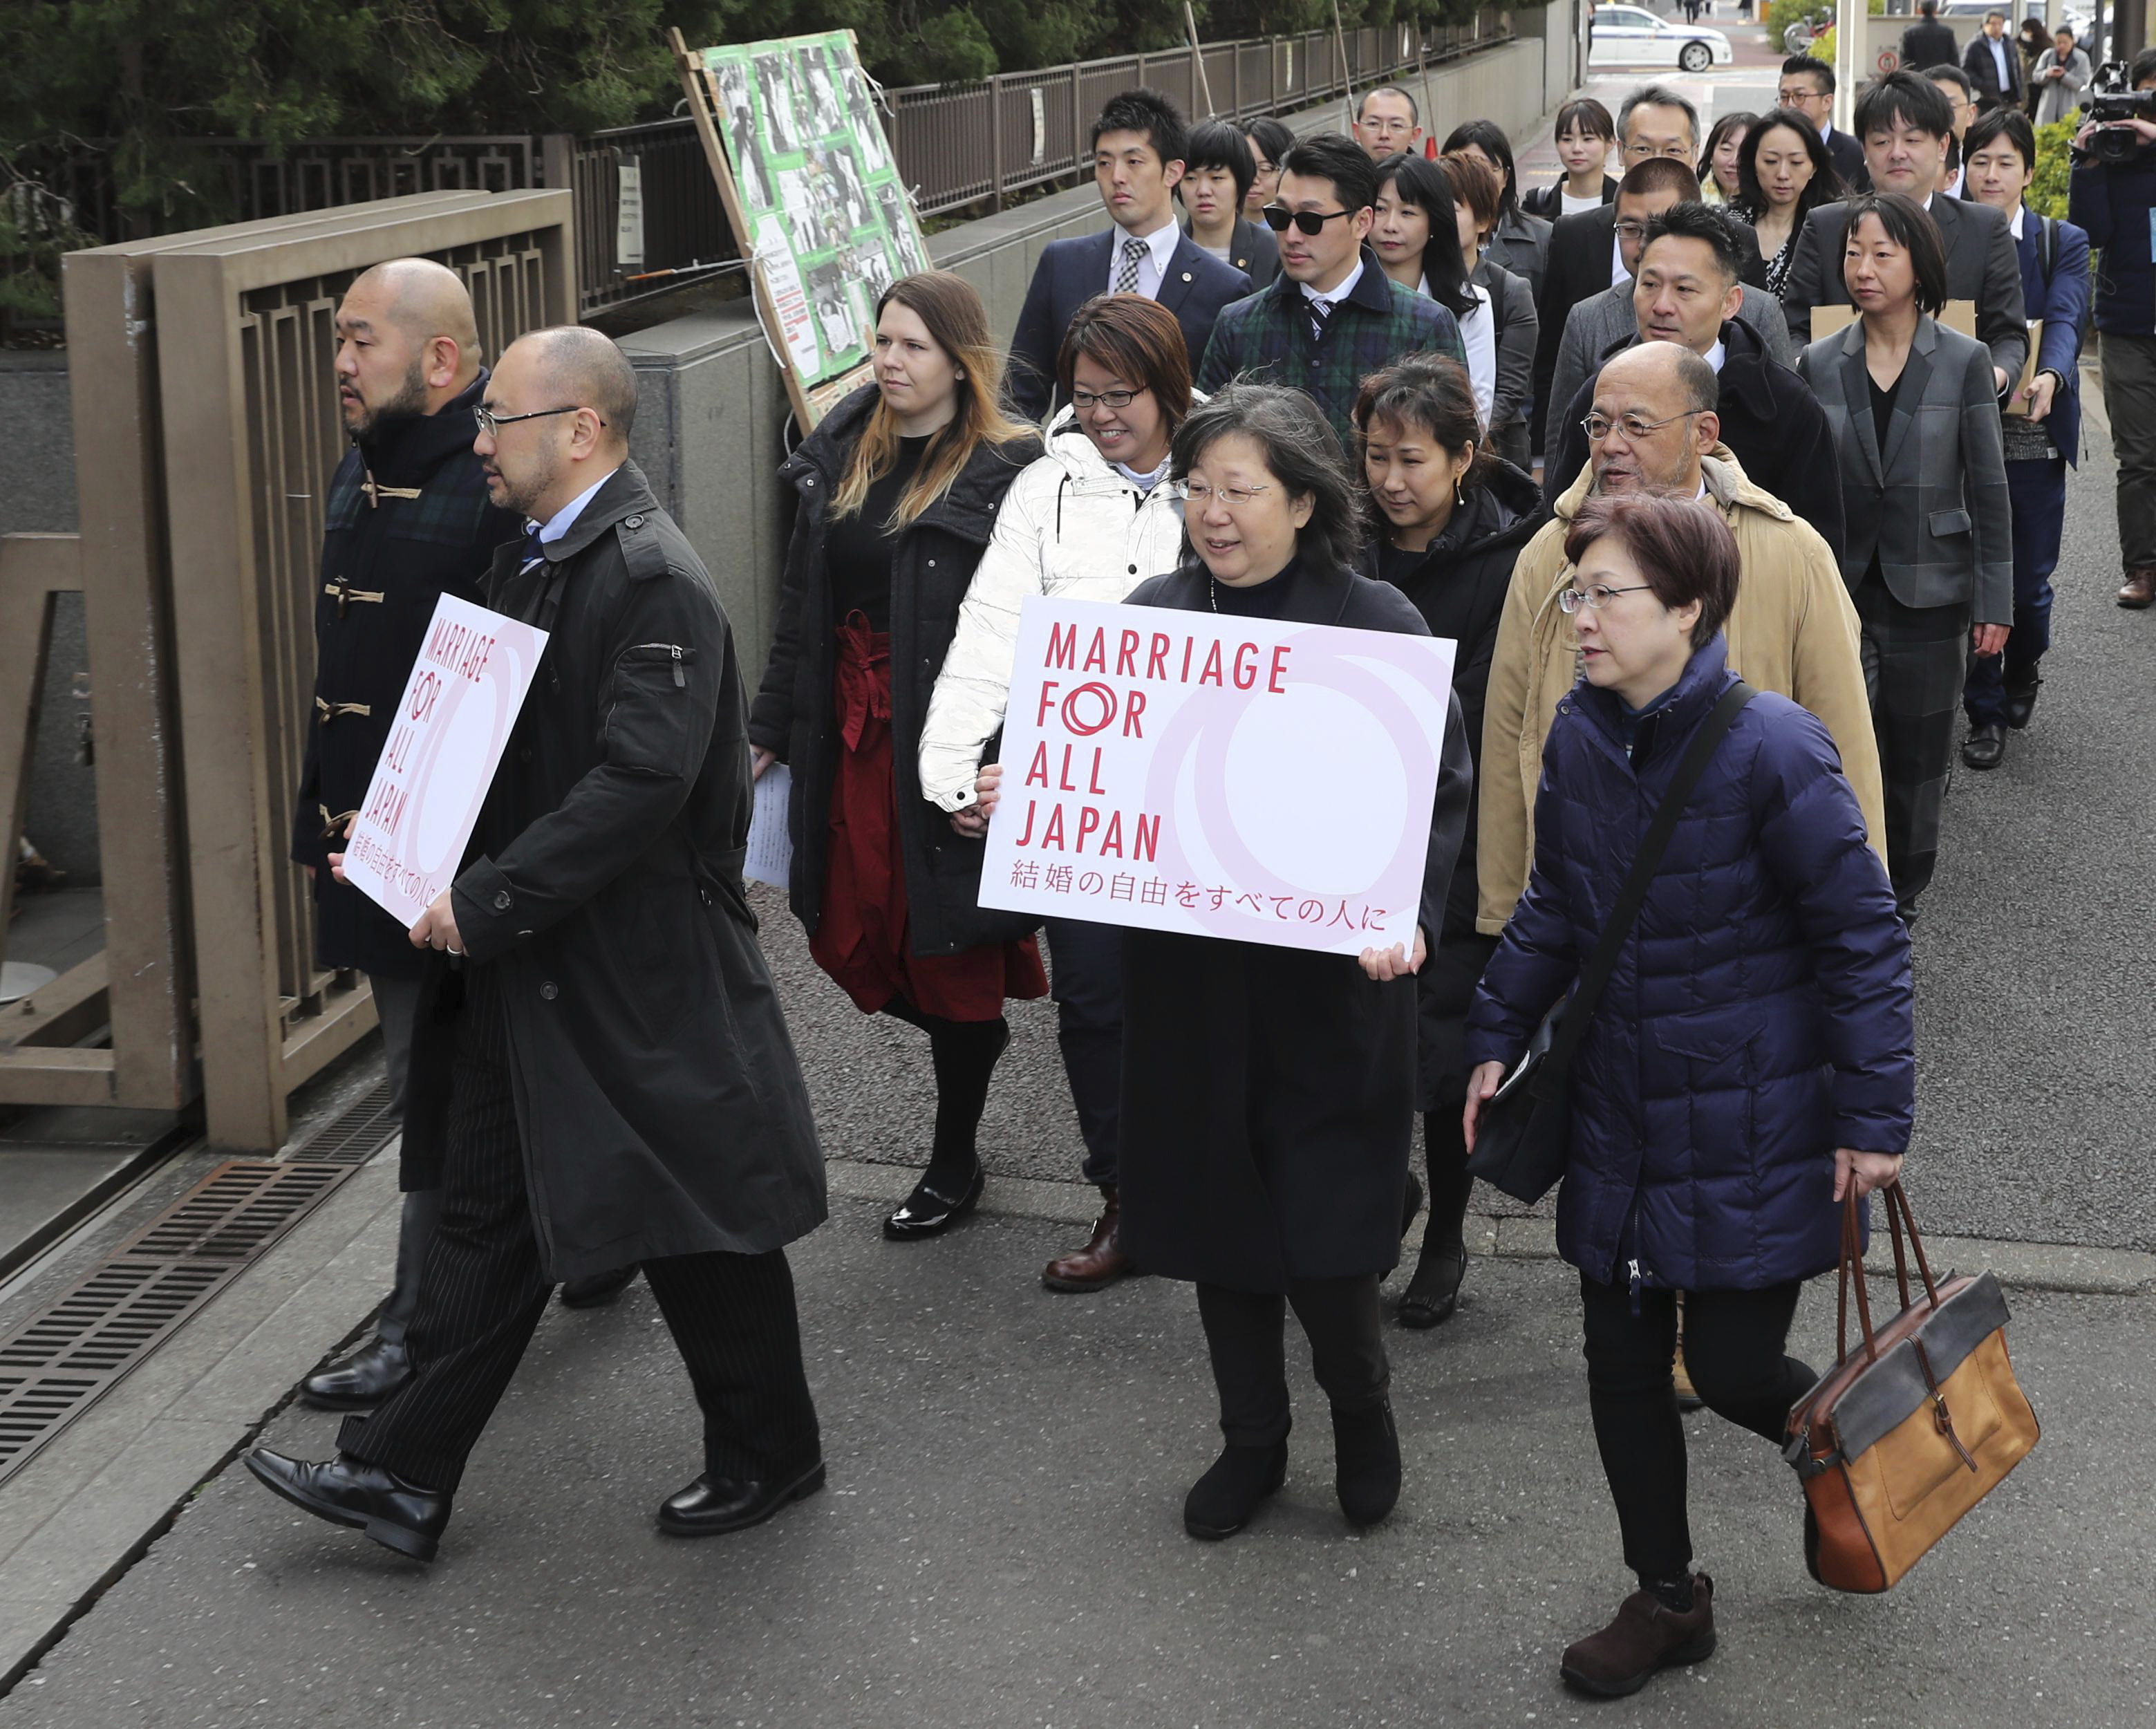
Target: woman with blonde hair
898 489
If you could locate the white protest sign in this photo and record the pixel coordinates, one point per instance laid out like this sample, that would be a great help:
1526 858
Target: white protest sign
1217 775
452 726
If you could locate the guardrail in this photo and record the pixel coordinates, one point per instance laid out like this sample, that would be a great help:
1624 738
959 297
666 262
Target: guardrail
957 144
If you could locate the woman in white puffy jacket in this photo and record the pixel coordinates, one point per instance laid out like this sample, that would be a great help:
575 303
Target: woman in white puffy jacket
1090 520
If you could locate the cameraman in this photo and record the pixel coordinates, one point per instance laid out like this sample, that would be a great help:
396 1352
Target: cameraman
2112 199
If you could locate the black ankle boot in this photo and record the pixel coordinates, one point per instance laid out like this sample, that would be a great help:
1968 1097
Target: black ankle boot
1220 1503
1366 1448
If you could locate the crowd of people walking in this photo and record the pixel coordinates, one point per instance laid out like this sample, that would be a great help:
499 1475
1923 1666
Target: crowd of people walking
1730 474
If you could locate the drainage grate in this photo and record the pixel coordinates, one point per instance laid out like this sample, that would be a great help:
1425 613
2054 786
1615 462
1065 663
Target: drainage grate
356 1134
60 1361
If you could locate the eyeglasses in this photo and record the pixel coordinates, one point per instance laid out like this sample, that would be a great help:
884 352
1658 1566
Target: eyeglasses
1631 230
1571 600
1197 493
491 424
1310 221
1386 127
1639 149
1796 95
1634 426
1081 400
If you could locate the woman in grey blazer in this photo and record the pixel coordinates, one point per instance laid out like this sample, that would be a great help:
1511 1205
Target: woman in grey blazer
1929 556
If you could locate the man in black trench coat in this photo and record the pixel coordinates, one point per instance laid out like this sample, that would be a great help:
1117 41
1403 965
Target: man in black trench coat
601 1074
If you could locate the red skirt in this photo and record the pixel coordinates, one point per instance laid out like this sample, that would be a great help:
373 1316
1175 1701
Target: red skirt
861 939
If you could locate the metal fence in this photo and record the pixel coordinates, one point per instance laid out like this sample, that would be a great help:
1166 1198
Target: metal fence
957 145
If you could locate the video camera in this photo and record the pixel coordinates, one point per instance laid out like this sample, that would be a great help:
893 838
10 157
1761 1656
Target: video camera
2111 100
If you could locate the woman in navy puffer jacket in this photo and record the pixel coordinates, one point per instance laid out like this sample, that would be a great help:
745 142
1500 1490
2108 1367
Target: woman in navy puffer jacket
1752 1056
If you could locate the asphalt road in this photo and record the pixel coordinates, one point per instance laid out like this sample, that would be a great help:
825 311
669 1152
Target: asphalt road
1001 1544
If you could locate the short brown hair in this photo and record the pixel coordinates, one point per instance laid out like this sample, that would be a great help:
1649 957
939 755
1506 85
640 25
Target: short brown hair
1474 186
1136 339
1683 548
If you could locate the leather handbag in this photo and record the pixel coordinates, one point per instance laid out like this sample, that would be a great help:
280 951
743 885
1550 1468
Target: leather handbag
1523 1134
1905 1434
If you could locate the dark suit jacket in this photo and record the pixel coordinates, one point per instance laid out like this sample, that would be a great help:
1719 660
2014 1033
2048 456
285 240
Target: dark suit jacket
1252 249
1848 154
1926 45
1545 202
1579 270
1980 266
1928 500
1771 422
1194 287
2061 301
1982 70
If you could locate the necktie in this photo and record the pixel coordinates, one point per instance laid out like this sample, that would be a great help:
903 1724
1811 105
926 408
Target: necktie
1127 273
1320 311
534 552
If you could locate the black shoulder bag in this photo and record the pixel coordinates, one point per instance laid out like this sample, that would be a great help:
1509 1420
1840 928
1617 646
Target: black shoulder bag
1523 1136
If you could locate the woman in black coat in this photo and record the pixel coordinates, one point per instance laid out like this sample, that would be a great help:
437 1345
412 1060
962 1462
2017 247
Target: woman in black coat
898 488
1269 1093
1449 521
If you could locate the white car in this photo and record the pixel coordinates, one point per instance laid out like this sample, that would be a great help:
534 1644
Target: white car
1630 36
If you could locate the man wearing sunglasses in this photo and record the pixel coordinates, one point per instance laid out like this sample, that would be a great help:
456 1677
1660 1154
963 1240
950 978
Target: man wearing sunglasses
1654 426
408 519
1332 316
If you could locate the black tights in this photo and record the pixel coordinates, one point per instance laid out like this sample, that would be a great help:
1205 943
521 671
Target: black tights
1735 1346
965 1054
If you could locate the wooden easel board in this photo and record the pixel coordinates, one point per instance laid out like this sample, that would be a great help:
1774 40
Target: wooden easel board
811 186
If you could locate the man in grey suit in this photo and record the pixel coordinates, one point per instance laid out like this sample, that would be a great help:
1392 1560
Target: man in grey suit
1907 125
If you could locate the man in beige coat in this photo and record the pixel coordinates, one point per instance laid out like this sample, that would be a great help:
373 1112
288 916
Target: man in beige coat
1793 629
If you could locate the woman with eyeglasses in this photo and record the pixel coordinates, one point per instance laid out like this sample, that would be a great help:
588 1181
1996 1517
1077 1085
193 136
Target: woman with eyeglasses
898 488
1929 554
1090 520
1784 171
1756 1062
1448 521
1269 1094
1271 140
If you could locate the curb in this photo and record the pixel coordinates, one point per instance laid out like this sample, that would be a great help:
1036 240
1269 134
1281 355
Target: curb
2027 1266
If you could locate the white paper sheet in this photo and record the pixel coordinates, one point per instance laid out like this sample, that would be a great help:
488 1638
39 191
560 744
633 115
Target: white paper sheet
770 850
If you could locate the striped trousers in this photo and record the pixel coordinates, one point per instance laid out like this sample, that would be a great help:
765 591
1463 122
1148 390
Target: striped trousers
482 1293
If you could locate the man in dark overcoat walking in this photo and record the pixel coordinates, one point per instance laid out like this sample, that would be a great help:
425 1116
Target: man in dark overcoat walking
602 1076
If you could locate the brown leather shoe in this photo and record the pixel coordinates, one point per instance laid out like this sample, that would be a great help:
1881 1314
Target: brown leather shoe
1646 1636
1101 1261
2138 590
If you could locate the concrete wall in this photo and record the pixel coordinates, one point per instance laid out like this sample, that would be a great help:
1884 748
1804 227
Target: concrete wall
712 408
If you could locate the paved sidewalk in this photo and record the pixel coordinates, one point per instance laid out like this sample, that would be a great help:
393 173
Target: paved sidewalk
1000 1544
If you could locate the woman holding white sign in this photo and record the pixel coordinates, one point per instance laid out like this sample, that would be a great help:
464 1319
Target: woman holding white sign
898 488
1269 1093
1090 520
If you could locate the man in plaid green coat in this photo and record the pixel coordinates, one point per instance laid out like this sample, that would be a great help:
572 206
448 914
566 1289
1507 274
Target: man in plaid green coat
1331 317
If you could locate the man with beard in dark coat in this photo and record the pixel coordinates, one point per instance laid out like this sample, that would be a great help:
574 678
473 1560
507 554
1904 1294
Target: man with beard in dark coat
603 1077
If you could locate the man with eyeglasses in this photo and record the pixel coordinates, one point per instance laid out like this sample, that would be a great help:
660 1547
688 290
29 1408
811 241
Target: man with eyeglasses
1607 319
408 519
1388 121
1807 88
606 1079
1654 426
1332 316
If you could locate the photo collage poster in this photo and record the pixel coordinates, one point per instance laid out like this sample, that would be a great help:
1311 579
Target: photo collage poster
830 225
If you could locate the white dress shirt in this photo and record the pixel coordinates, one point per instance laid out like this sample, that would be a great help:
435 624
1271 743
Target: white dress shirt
1338 292
1153 262
563 520
1715 355
1998 59
1478 333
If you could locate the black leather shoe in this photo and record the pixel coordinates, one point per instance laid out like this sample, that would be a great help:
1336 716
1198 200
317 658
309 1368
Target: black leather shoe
362 1381
1433 1294
712 1507
598 1291
1366 1451
927 1211
1220 1503
396 1514
2021 702
1985 746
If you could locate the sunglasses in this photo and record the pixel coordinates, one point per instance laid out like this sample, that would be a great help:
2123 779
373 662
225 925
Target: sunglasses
1310 221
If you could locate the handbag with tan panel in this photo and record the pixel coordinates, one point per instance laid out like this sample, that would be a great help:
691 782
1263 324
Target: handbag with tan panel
1905 1434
